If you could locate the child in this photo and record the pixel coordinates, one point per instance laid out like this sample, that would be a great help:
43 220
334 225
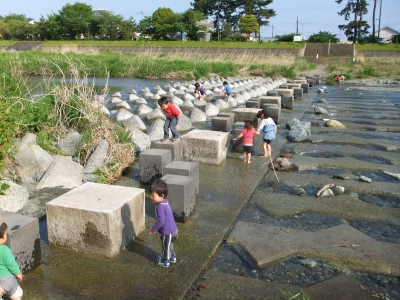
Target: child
247 133
268 126
199 91
165 224
172 118
227 90
9 270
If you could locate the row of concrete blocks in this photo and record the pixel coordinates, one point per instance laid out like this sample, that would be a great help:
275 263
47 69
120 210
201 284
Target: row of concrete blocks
182 177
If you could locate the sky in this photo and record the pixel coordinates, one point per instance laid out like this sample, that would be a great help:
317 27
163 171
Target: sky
313 15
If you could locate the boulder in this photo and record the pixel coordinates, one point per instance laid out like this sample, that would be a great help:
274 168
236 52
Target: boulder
122 104
299 132
198 116
133 97
337 190
63 172
334 124
98 157
104 110
122 115
232 102
117 94
31 160
156 130
115 100
143 110
187 105
176 101
155 114
14 198
199 102
69 144
185 123
28 140
134 122
222 105
140 140
211 110
326 193
141 101
320 110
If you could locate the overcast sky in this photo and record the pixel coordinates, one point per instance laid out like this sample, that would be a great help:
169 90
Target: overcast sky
314 15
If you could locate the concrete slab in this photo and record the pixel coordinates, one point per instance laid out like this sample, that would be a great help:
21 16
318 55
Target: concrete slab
270 99
23 240
175 148
223 124
227 114
96 218
242 114
152 162
284 92
184 168
253 104
205 146
181 195
266 244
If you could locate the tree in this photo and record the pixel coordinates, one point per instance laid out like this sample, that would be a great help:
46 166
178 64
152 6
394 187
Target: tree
358 28
189 19
146 25
323 37
248 24
74 19
170 26
285 38
14 26
127 29
160 17
49 29
109 25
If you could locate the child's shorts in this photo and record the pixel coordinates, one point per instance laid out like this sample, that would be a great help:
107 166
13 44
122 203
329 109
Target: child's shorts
10 286
267 141
247 149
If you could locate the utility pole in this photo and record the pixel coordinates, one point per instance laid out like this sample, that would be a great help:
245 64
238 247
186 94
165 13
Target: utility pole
143 12
379 24
297 26
218 22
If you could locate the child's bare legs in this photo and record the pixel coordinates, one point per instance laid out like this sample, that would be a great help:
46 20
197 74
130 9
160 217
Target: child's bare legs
245 156
265 149
249 157
269 149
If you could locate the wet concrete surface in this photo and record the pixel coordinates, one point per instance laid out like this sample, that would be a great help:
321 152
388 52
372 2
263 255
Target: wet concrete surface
226 191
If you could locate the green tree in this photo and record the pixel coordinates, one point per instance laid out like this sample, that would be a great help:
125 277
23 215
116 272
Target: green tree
109 25
166 22
75 19
323 37
248 24
127 29
189 20
49 29
146 25
285 38
358 28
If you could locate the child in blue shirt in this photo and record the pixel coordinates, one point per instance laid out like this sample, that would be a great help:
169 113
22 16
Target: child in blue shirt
227 89
165 224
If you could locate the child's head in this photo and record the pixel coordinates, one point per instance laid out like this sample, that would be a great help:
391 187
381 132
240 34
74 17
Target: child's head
225 83
163 102
262 114
248 123
158 190
197 85
3 231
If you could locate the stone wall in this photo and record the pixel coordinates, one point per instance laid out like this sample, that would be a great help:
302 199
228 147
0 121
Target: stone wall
377 53
343 50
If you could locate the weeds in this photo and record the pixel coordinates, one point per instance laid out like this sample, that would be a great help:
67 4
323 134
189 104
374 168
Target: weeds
286 295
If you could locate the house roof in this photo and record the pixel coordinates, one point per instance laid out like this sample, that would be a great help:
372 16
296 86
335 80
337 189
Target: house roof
390 29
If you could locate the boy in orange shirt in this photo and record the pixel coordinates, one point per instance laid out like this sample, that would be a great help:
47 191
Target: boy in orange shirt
172 119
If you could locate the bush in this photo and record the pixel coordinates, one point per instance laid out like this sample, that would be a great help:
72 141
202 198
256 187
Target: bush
241 38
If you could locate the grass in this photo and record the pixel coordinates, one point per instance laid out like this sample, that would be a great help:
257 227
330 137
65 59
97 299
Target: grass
180 44
382 46
6 42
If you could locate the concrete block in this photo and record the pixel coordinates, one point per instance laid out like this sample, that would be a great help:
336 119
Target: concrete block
253 104
152 162
175 148
96 218
237 145
298 93
300 81
288 101
181 196
227 114
223 124
305 87
184 168
311 82
317 79
283 86
242 114
270 99
274 113
266 105
23 240
293 85
272 93
205 146
284 92
238 125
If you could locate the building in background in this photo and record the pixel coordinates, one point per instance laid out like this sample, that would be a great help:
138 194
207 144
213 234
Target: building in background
386 33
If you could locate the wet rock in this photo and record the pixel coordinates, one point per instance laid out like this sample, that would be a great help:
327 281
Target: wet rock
365 179
392 175
309 263
320 91
155 114
286 155
282 164
122 104
354 195
320 110
338 190
321 101
89 178
122 115
342 177
134 122
185 123
334 124
117 94
298 191
140 140
299 132
381 129
198 116
326 193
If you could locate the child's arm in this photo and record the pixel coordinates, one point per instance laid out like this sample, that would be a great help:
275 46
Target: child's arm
238 137
160 220
19 276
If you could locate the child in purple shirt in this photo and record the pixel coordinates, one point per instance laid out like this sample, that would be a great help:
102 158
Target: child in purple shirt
199 91
165 224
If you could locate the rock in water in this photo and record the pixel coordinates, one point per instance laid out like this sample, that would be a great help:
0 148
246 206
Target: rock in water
326 193
365 179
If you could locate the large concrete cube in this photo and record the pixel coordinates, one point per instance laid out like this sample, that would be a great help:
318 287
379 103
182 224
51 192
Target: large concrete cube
184 168
223 124
298 93
237 145
205 146
305 87
242 114
284 92
288 101
23 240
270 99
152 162
272 93
311 82
181 195
293 85
174 147
227 114
274 113
253 104
96 218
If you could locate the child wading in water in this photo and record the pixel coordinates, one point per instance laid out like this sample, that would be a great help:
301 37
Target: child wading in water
247 133
172 119
165 224
268 127
9 270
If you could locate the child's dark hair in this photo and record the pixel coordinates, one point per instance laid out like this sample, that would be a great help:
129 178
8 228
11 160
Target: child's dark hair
262 114
225 82
159 187
3 228
162 100
248 124
197 85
